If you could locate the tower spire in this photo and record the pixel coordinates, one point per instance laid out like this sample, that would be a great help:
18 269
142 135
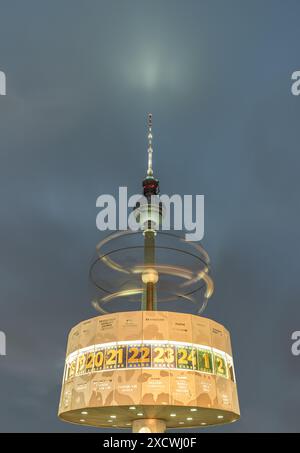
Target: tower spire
150 149
150 184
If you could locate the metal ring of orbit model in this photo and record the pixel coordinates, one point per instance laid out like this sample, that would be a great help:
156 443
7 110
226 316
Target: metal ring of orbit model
189 277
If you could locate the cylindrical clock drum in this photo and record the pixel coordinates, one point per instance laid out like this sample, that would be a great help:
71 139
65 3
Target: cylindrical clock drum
149 371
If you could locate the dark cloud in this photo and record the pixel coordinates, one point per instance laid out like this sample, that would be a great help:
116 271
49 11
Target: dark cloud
80 81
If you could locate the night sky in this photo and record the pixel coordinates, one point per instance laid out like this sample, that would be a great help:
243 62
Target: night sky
81 78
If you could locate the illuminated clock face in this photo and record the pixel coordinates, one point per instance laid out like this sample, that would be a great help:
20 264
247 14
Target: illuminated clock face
137 365
205 361
220 365
139 356
115 357
155 354
98 359
186 357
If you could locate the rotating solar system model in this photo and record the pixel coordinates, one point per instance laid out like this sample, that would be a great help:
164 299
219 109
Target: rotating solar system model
142 368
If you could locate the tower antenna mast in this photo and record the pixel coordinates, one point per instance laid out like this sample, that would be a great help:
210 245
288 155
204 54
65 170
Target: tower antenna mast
150 149
151 222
